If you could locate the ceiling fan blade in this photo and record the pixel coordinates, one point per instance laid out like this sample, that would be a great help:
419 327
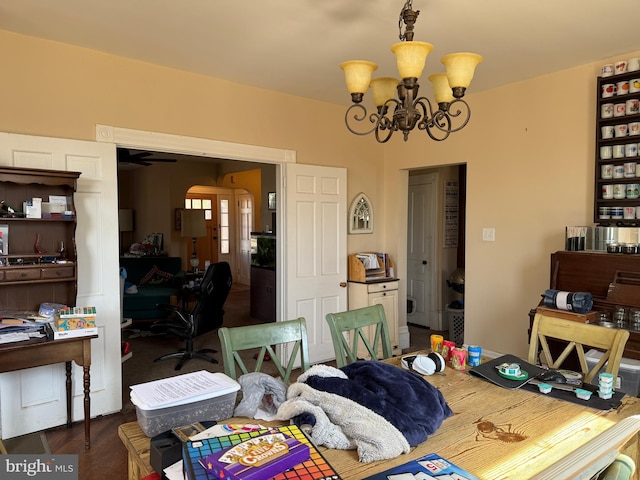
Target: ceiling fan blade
165 160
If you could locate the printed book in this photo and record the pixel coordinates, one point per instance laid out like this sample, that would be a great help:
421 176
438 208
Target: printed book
425 468
314 468
69 312
75 323
80 332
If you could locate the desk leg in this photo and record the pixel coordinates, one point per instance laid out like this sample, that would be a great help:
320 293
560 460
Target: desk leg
68 385
87 407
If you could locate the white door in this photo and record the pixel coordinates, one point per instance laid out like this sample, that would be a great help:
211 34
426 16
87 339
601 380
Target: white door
314 251
421 250
35 399
245 224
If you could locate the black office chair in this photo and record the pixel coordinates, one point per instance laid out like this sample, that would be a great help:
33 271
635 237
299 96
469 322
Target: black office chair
206 315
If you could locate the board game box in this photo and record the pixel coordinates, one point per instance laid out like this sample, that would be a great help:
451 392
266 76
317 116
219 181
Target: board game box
314 468
264 456
431 466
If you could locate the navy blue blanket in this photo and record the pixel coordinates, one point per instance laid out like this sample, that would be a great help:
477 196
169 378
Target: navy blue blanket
409 402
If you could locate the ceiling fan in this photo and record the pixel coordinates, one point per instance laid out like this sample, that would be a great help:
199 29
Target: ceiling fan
140 157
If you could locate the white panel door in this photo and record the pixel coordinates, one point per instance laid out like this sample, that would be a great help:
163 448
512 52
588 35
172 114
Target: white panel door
314 251
35 399
420 250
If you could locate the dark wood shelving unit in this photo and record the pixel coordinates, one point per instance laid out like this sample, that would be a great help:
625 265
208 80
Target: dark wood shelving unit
29 278
600 142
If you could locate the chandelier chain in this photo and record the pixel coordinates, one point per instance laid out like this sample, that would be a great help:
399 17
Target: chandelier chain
408 16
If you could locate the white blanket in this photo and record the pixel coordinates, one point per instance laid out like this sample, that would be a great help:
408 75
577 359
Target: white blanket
342 423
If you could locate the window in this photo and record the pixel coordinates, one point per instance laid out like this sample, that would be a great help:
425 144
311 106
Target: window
224 226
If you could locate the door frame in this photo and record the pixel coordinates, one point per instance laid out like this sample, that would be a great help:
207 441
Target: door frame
201 147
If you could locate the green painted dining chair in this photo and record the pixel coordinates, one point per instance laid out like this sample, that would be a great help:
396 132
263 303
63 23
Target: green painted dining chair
365 326
265 337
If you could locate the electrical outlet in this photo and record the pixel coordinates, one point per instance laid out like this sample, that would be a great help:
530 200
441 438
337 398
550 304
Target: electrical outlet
489 234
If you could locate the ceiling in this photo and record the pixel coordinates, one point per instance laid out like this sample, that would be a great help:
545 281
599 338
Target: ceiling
295 46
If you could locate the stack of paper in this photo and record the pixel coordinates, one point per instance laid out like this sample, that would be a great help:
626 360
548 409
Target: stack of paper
182 389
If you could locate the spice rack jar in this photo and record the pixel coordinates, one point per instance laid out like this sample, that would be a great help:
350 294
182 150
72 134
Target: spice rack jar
617 165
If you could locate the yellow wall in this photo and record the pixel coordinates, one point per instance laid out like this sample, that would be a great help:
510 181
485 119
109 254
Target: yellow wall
530 153
529 150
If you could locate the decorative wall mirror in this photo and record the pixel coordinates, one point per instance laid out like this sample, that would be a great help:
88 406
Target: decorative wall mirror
361 215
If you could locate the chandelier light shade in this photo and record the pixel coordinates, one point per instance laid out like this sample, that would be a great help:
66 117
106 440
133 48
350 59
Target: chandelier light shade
358 75
382 89
398 106
411 57
460 68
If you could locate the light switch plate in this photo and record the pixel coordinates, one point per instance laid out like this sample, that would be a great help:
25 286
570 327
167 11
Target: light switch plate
489 234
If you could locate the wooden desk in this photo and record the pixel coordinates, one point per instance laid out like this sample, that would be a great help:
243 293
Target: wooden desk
39 352
494 433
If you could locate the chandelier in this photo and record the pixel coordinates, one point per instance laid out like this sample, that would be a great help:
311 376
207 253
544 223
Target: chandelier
409 110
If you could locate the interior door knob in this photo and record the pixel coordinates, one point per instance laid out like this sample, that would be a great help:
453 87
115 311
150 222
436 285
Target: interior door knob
343 284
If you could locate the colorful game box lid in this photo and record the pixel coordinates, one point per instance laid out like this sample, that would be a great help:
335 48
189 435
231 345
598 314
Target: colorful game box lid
315 467
257 458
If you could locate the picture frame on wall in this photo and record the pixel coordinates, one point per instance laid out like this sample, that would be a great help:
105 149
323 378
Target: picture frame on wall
271 200
178 219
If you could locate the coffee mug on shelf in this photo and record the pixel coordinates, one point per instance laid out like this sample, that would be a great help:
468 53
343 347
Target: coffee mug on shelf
629 213
608 131
622 87
618 171
619 191
618 152
619 109
633 106
632 190
630 167
617 212
620 67
606 171
607 192
606 152
633 64
634 128
605 212
634 85
607 70
606 110
630 150
608 90
621 130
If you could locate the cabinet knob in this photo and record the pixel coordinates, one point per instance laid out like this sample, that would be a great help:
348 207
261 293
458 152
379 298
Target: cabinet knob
343 284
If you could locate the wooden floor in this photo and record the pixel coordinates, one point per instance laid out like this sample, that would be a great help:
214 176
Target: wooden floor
107 456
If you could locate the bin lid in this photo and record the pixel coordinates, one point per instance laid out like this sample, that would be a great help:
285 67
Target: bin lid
182 389
626 363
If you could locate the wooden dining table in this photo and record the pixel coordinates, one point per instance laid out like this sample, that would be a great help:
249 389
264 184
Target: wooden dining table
494 433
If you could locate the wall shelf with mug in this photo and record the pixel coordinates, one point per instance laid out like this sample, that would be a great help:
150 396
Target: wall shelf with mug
617 165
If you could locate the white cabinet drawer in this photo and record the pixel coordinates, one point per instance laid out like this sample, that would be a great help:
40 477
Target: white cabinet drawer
381 287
